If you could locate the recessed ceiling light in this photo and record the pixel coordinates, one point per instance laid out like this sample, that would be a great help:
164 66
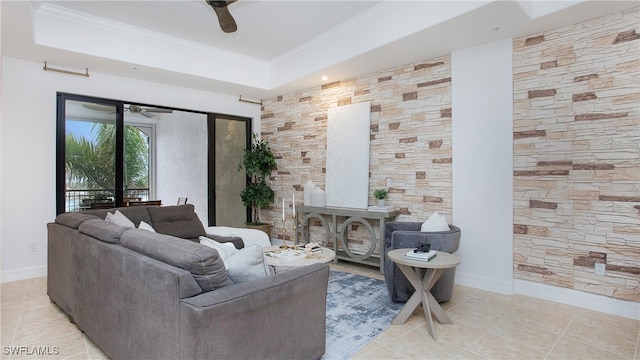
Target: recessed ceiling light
324 78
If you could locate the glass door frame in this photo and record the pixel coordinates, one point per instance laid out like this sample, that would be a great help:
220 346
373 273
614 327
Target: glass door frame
211 160
61 120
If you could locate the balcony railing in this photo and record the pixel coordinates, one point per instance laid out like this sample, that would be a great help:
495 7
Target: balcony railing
76 200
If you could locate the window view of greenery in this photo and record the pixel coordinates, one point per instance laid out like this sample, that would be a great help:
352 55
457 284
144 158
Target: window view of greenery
90 164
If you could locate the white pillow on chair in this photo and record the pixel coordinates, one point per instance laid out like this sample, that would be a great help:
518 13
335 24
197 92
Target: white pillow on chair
434 223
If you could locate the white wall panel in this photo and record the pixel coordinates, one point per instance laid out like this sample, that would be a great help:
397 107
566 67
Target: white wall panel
347 177
482 130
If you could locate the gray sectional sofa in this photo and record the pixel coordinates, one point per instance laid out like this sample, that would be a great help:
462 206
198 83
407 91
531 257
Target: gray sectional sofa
144 295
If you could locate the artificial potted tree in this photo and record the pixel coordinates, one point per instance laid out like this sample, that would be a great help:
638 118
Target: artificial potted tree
380 195
258 162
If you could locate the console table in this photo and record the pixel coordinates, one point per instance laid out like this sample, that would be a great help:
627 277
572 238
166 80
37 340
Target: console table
338 234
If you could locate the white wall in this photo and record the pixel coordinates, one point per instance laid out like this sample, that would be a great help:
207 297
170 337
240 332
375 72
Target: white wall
482 130
27 147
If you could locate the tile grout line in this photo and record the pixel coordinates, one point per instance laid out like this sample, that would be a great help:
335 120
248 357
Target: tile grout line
516 341
468 348
559 337
15 328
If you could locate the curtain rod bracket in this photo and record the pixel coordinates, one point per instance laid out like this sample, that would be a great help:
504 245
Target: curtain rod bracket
85 74
250 101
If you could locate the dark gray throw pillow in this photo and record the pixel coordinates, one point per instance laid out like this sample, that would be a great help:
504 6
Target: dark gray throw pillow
236 241
180 221
204 264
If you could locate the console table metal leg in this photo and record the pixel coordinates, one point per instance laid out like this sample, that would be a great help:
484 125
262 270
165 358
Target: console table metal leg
380 242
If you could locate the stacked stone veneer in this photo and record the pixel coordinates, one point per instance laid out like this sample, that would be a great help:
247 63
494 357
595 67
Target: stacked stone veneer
577 156
410 137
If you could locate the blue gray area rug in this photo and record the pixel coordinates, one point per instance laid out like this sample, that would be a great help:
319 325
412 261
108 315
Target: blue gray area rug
358 310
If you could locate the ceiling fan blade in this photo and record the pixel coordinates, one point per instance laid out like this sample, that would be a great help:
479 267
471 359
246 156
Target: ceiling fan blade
99 107
146 114
227 23
157 110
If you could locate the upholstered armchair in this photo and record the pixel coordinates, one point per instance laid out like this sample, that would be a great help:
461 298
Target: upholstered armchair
408 235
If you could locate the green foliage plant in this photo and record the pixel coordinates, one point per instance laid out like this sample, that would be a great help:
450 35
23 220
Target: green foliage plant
380 194
90 164
258 162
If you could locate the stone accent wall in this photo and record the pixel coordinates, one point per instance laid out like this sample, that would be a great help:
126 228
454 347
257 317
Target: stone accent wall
410 137
577 156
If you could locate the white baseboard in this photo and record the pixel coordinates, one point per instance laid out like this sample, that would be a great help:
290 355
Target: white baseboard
23 273
581 299
585 300
605 304
484 283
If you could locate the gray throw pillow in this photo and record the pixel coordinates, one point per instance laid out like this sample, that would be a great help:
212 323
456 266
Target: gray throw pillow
204 264
247 264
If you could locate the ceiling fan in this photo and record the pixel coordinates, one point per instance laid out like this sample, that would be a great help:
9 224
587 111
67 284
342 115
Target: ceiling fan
134 109
227 23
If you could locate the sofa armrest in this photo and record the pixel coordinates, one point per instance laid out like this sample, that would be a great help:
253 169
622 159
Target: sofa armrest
282 316
249 236
235 240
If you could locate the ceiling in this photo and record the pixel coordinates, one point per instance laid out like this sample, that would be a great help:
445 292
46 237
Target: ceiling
280 46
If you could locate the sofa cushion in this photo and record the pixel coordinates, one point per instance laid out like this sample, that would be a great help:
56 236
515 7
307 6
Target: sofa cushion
242 265
119 219
144 226
247 264
224 249
73 219
204 263
133 213
102 230
178 220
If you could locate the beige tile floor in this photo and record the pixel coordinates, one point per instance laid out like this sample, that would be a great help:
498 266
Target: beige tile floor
485 326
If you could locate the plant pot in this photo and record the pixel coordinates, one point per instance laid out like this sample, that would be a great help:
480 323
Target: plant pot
380 203
264 227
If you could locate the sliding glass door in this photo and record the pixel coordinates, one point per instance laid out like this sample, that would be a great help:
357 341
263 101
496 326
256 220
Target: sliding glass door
231 136
103 157
111 152
88 148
